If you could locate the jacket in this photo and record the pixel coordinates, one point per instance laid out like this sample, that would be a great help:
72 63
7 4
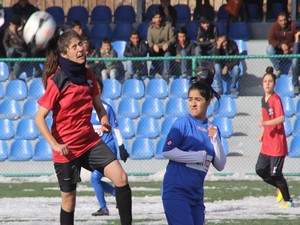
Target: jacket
140 50
232 49
160 36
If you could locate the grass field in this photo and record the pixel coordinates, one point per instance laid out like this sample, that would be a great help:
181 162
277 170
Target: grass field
245 202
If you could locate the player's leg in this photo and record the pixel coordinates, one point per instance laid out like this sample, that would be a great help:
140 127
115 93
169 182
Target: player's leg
198 212
263 169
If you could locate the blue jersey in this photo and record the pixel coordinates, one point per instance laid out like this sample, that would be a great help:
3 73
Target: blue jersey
184 181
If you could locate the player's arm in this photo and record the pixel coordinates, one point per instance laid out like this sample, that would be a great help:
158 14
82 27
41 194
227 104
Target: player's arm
273 122
180 156
219 159
97 103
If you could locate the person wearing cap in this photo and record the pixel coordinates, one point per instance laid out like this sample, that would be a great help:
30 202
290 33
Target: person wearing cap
206 38
14 44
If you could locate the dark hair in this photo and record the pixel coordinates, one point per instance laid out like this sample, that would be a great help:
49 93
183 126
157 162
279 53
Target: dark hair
85 37
106 41
157 11
134 32
76 23
270 71
182 30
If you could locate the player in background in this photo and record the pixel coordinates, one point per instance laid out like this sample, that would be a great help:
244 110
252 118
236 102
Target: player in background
192 144
274 145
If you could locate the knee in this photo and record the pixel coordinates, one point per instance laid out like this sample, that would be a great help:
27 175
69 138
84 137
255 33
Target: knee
68 201
260 172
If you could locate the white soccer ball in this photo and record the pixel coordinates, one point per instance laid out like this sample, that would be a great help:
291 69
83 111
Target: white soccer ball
39 29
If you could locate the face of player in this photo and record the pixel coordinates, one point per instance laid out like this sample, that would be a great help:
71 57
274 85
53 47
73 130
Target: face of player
268 84
181 37
197 104
75 51
282 21
134 39
157 20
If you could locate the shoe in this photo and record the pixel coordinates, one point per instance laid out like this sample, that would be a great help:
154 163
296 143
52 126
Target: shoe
288 204
279 196
101 212
296 90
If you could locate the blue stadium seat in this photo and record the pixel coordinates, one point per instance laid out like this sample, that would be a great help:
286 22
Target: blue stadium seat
222 28
224 124
211 13
179 88
157 88
36 88
288 127
152 107
77 13
192 29
110 102
288 106
225 145
7 17
100 31
294 149
209 111
7 129
143 29
226 106
124 14
242 51
167 124
239 30
159 147
255 12
150 10
3 150
129 107
119 47
4 72
111 89
223 15
133 88
2 91
26 129
101 14
126 126
147 127
271 16
94 118
57 13
284 86
183 13
20 150
30 108
297 112
121 32
176 107
10 108
142 148
42 151
16 89
296 127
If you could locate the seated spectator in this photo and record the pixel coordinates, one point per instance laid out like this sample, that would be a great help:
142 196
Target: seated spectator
107 51
206 38
2 21
77 27
15 45
135 48
184 47
281 39
24 9
226 69
168 12
161 40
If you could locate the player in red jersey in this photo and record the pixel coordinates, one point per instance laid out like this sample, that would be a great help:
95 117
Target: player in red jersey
274 145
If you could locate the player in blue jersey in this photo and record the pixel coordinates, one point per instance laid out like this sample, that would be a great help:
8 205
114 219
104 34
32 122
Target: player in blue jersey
101 187
192 144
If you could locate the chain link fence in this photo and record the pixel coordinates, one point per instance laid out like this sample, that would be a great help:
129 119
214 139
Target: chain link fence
146 105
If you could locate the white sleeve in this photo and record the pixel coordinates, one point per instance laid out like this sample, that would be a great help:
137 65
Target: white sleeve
180 156
118 136
219 159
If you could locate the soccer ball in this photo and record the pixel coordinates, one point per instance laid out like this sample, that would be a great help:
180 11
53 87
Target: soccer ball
39 29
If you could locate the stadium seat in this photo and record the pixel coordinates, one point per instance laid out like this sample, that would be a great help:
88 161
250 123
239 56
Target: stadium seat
110 102
20 150
111 89
124 14
126 126
211 13
288 106
296 127
297 112
183 13
121 32
192 29
94 118
271 16
42 151
16 89
239 30
209 111
226 106
224 124
176 107
7 17
7 129
147 127
255 12
167 124
57 13
119 47
242 51
179 88
10 109
2 91
288 127
284 86
223 15
36 88
159 147
26 129
150 10
133 88
101 14
129 107
77 13
152 107
3 150
294 148
100 31
157 88
225 145
4 72
143 30
142 148
222 28
30 108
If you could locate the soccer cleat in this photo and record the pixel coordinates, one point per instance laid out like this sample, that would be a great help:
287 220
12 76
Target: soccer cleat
279 196
288 204
101 212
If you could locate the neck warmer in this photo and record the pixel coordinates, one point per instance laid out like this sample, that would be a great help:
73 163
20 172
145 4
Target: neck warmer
75 72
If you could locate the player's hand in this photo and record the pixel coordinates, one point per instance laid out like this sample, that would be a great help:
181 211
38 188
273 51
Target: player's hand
106 128
260 123
62 149
211 131
123 153
260 138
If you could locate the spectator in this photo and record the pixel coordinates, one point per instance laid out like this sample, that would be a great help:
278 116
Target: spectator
296 65
107 51
14 45
206 38
2 21
77 27
161 40
184 47
135 48
168 12
226 69
24 9
281 39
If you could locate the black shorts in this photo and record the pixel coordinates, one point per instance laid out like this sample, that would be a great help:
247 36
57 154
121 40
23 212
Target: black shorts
97 158
273 164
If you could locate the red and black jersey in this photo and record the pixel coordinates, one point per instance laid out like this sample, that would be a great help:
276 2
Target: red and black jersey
274 139
71 105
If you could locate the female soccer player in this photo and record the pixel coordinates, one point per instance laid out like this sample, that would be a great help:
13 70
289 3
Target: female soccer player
71 92
274 145
191 145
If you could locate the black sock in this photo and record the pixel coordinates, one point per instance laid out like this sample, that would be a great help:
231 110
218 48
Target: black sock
66 218
123 198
